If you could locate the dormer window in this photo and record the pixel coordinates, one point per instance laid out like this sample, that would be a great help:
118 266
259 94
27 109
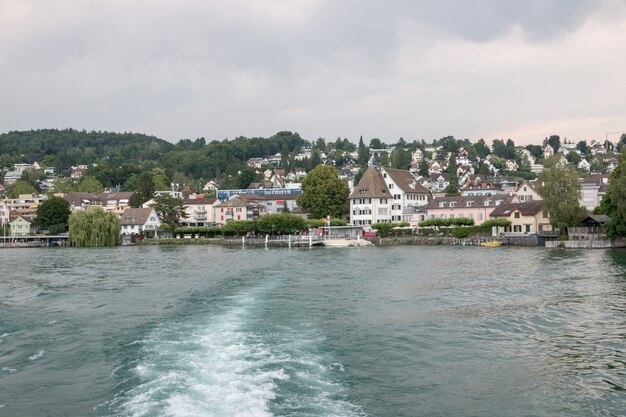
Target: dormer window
442 204
362 191
452 204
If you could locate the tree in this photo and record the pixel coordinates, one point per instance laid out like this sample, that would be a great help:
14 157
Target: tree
423 168
614 202
94 227
583 147
620 143
315 160
363 153
535 150
560 190
53 215
30 176
324 194
89 184
504 150
169 209
573 158
21 187
452 171
452 189
145 189
554 141
383 159
62 185
400 158
376 143
280 223
246 177
481 149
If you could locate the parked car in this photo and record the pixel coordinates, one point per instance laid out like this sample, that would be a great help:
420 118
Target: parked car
370 234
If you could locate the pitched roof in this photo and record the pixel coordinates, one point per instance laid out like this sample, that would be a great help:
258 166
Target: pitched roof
136 216
259 185
198 201
371 185
461 201
596 179
29 219
527 208
405 180
238 201
123 195
596 218
76 198
271 197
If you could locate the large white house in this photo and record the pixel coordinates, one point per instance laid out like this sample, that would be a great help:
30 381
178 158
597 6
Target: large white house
382 194
136 221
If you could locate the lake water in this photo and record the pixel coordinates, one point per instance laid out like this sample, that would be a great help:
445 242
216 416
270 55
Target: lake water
378 331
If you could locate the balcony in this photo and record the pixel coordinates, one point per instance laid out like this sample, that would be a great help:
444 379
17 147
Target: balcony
199 210
200 217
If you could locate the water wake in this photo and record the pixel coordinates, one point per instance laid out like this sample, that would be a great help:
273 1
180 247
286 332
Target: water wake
233 364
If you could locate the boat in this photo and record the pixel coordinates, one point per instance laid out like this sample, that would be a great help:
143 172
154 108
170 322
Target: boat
492 244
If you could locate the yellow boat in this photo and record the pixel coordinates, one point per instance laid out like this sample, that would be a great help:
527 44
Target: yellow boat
492 244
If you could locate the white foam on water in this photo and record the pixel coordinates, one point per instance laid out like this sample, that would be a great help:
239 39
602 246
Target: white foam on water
37 355
222 368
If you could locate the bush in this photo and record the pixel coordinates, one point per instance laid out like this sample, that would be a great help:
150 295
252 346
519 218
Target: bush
385 229
57 229
437 222
461 232
203 231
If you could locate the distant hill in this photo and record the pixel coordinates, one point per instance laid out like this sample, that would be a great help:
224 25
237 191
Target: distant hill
119 156
67 147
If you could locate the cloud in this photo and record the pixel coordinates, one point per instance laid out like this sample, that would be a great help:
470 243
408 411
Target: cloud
324 68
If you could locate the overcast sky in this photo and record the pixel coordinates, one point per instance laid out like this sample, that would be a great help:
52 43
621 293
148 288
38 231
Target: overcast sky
418 69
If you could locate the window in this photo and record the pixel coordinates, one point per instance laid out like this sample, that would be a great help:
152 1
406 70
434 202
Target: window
516 215
397 196
527 227
362 191
390 186
517 228
480 216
